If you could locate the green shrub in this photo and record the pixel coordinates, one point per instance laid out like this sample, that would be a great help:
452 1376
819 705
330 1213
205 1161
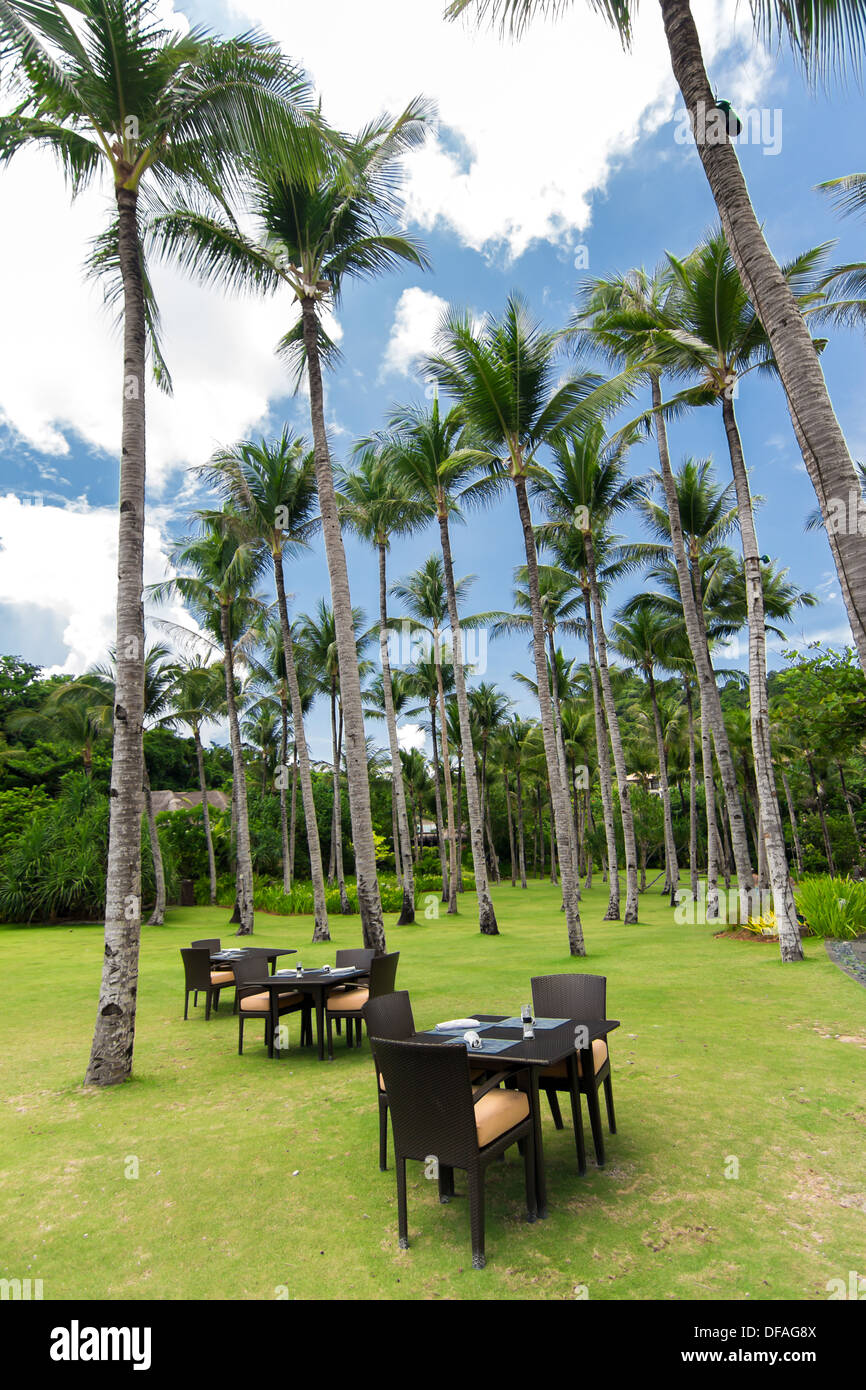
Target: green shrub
833 907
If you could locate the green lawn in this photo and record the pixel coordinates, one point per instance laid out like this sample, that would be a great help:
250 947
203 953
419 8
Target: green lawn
259 1179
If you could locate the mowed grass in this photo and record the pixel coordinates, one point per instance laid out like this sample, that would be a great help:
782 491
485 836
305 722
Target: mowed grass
259 1179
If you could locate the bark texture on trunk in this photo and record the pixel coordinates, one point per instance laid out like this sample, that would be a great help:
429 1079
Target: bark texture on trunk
771 831
821 441
114 1033
605 780
403 850
244 867
693 807
302 757
670 842
205 809
486 916
558 792
631 891
369 899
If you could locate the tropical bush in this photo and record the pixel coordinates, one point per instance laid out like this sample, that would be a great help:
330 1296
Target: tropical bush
834 907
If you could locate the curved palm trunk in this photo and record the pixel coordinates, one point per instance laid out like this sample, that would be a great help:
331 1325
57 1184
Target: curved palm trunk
244 869
337 808
157 917
673 864
486 916
446 776
437 802
697 634
114 1034
631 890
693 807
284 809
773 836
369 899
302 759
403 850
202 782
604 778
821 441
558 792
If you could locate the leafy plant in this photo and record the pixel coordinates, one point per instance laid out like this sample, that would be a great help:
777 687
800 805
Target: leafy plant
834 907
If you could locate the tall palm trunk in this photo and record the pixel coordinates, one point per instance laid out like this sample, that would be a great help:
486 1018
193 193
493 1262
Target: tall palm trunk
560 752
511 847
293 815
625 811
492 857
604 776
710 802
459 826
446 777
821 441
369 899
337 808
521 842
693 800
244 872
157 917
205 809
558 792
849 804
486 916
284 809
437 803
398 790
773 836
302 756
114 1034
697 635
673 864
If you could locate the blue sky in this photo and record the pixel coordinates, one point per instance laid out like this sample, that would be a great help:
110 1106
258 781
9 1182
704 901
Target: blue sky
647 196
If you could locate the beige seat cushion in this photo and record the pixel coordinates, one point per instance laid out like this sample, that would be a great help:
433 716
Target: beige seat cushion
259 1003
498 1111
599 1057
222 977
348 1000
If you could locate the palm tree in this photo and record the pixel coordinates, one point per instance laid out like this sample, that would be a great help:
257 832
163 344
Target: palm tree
219 572
561 603
424 596
197 697
584 490
504 376
312 240
441 463
428 683
375 503
642 642
272 488
489 708
108 89
824 36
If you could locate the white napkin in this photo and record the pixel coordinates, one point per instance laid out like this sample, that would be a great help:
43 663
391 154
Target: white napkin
456 1024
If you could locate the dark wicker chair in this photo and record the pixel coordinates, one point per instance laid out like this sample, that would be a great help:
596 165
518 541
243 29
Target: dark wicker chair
581 997
438 1117
212 942
200 979
253 1002
359 956
349 1004
389 1016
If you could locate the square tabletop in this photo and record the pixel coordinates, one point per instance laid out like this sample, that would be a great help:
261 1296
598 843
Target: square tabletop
545 1049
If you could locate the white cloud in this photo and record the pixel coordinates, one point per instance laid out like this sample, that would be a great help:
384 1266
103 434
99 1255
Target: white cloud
411 736
529 130
416 319
63 561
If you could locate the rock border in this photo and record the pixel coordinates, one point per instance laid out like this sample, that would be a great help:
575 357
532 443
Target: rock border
842 953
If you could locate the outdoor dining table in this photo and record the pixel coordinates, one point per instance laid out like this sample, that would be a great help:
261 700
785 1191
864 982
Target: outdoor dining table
230 953
316 984
555 1041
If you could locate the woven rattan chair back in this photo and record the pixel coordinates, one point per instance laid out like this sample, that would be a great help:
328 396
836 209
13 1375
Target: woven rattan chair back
390 1016
570 996
383 973
196 965
430 1095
